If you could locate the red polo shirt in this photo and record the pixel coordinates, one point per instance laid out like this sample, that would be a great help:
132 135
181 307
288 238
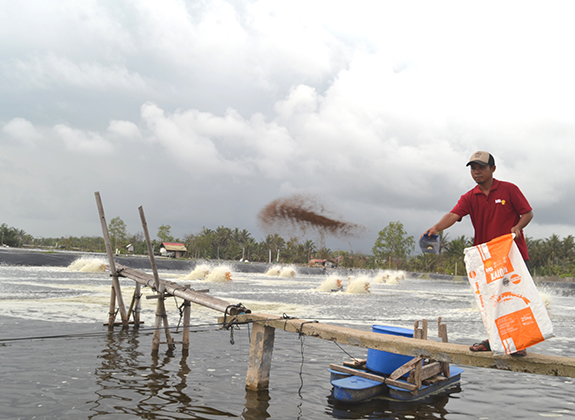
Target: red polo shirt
494 214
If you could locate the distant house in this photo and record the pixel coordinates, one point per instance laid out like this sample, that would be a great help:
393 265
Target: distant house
172 249
322 263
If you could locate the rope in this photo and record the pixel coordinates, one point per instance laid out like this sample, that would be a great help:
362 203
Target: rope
300 333
241 310
342 349
103 333
284 316
302 339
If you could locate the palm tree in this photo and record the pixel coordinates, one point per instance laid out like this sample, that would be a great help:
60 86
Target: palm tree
309 248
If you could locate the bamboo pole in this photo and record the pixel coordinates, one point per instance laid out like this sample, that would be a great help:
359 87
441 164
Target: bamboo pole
112 311
160 307
135 305
115 282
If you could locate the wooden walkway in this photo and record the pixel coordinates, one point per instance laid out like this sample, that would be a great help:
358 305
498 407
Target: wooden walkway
442 352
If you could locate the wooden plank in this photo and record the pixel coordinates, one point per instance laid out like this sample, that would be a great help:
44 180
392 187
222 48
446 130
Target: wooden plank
429 370
415 376
373 377
442 352
403 369
434 379
357 363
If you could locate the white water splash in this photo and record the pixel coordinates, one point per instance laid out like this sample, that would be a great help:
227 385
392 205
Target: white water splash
274 271
388 276
88 265
547 299
358 285
287 272
221 273
200 272
330 284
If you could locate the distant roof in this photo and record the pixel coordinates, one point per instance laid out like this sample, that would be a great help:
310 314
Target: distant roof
174 246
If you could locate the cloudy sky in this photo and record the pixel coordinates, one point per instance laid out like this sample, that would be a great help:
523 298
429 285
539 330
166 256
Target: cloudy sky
205 111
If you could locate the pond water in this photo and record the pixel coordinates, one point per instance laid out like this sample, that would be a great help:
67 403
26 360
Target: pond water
58 361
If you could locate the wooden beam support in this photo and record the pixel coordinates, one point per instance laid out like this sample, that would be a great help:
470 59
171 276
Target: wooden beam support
260 362
186 326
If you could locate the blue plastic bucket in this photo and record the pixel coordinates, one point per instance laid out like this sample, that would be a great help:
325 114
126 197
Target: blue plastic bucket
383 361
429 244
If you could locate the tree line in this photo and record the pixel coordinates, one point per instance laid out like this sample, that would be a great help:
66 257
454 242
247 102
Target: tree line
393 248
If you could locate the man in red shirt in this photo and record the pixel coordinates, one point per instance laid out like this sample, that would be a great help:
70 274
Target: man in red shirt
496 208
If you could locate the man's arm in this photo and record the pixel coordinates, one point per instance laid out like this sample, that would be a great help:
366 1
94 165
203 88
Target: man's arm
523 221
446 221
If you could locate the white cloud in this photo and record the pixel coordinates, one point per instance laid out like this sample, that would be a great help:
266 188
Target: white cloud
124 129
23 130
376 106
79 141
52 72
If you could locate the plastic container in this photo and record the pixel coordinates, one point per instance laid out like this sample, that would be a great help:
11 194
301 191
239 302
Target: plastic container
429 244
382 361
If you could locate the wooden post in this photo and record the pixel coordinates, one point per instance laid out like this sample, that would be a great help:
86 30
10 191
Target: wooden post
138 307
420 333
160 308
260 362
186 326
115 282
442 332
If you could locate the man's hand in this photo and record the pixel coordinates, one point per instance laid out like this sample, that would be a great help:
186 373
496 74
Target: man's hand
446 221
523 221
429 232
